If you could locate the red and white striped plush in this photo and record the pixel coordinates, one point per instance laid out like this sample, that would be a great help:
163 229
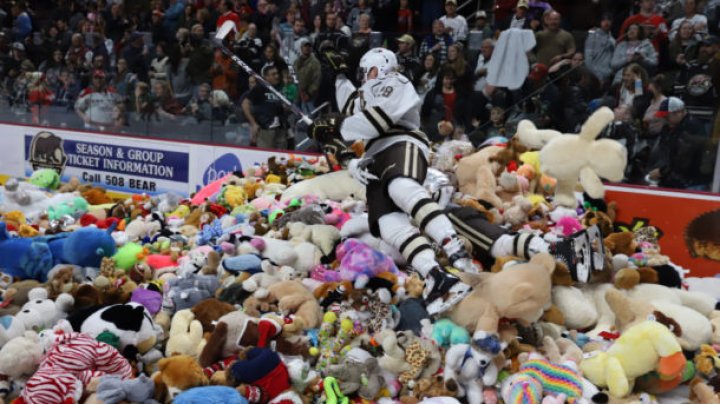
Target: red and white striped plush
68 365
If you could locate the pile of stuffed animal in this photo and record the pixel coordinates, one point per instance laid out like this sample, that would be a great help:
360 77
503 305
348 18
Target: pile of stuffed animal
268 288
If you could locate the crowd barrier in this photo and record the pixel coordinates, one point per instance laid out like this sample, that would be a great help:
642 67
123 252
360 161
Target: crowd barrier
688 223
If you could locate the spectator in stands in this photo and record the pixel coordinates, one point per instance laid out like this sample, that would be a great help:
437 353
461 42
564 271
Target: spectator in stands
456 62
553 43
654 26
437 42
599 49
317 28
309 74
199 107
123 81
481 25
263 19
520 19
624 130
67 90
341 27
285 28
224 75
270 56
291 48
115 22
171 17
96 103
455 24
699 79
681 156
266 113
167 106
251 36
136 55
486 50
408 63
427 76
657 91
683 46
180 81
353 18
22 24
77 55
200 56
160 65
225 8
405 17
187 19
633 84
691 16
363 25
52 68
633 49
446 102
221 107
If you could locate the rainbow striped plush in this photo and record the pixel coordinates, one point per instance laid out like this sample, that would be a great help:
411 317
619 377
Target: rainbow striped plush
524 390
555 379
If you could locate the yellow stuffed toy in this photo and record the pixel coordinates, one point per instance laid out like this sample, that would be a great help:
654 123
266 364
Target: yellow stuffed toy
643 348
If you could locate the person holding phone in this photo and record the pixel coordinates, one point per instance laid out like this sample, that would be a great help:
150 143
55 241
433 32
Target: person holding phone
634 48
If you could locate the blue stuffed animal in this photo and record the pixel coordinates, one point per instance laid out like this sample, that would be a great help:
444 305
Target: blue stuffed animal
34 257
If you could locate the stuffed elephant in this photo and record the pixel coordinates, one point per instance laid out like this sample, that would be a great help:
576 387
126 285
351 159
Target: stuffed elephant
359 372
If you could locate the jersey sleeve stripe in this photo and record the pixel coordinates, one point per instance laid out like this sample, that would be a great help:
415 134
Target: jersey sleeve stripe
384 116
373 121
350 101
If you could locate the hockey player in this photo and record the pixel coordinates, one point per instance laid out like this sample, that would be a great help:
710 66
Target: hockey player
385 113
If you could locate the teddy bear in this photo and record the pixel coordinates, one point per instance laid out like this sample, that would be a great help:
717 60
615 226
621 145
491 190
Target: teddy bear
591 160
186 335
645 347
325 237
477 175
187 291
298 303
519 291
336 185
359 372
259 282
176 374
303 256
71 360
19 359
427 388
40 312
209 311
468 371
61 281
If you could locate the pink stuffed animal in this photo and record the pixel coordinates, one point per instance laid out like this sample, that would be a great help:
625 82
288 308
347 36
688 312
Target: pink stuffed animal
568 225
358 263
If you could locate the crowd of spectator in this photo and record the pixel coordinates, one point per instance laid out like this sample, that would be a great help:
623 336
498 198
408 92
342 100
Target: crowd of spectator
114 63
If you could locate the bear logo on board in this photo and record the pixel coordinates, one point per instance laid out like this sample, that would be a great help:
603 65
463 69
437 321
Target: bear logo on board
46 151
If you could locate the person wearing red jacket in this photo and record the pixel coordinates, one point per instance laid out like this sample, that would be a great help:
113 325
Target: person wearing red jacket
655 26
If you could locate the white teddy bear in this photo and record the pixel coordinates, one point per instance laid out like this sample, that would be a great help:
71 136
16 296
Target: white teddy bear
40 312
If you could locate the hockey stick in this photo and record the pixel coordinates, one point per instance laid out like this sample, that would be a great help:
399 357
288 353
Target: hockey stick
220 35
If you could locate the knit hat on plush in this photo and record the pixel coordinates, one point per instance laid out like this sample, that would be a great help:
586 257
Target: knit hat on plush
267 329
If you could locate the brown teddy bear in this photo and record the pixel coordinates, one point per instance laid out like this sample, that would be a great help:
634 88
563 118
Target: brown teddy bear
209 311
293 297
176 374
61 282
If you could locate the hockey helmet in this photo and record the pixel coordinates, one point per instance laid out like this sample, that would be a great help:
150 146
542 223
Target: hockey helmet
383 59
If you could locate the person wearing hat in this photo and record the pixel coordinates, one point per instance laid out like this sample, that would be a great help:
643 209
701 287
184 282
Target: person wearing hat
684 154
701 75
481 24
521 18
309 74
455 24
96 103
408 63
599 49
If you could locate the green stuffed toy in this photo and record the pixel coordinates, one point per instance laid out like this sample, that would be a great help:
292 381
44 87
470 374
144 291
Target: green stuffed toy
128 255
46 178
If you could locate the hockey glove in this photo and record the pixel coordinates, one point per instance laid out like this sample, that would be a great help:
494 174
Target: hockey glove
358 169
325 130
337 62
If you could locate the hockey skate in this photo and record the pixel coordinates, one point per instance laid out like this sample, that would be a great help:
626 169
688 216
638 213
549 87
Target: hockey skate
458 256
442 291
582 252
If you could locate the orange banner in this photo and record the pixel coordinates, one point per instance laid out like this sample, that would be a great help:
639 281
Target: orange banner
689 223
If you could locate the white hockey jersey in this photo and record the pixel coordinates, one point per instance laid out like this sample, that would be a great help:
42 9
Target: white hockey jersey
382 112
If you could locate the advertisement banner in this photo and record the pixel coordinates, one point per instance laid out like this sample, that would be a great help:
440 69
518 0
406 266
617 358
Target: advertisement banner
116 163
688 224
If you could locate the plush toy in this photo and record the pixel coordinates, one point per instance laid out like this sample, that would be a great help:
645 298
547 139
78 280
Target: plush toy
210 395
259 282
70 362
303 257
130 322
175 375
74 208
468 371
337 186
358 263
325 237
263 377
477 175
333 340
645 347
570 157
296 302
112 389
185 292
519 292
358 373
45 178
35 257
40 312
186 335
19 359
446 333
209 311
